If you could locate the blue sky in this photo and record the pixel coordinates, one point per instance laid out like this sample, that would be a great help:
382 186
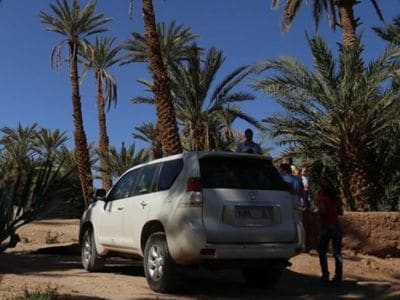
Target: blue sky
248 31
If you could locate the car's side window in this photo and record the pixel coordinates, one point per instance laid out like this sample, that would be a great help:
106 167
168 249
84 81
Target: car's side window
170 170
144 183
123 187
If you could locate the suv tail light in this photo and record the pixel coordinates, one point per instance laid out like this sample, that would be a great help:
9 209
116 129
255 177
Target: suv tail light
193 197
193 184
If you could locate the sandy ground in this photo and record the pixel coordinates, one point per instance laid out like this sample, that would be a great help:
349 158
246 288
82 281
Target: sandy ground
48 257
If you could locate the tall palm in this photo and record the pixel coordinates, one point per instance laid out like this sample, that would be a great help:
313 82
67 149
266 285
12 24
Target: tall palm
75 24
336 113
118 161
148 133
175 44
197 102
175 41
340 13
166 117
100 56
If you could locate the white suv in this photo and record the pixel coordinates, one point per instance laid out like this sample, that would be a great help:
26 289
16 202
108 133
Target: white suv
219 209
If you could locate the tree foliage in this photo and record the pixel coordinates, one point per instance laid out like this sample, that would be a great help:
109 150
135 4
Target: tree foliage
100 56
75 23
204 108
118 161
340 111
340 13
31 161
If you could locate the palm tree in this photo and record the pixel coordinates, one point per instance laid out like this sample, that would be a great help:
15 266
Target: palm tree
224 136
100 56
166 118
391 32
28 171
336 113
175 41
191 86
75 24
175 44
69 182
196 104
117 162
49 142
19 144
391 143
148 133
333 8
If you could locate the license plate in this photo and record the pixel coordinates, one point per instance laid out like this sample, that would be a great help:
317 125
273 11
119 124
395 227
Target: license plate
253 212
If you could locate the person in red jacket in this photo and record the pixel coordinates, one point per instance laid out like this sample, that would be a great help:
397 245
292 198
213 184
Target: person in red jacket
329 208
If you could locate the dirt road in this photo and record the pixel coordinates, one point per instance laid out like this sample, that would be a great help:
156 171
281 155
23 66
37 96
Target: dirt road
49 256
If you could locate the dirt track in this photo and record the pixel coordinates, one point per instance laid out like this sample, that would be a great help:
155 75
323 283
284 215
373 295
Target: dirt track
36 265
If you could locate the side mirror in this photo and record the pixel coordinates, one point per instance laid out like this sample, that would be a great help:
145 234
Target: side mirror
100 195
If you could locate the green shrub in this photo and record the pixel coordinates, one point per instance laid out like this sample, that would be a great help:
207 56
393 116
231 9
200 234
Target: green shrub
52 238
50 293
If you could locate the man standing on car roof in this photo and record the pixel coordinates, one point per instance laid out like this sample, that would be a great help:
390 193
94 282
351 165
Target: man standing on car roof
248 146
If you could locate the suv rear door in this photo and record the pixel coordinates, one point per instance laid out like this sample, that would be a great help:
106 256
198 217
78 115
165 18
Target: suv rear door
245 200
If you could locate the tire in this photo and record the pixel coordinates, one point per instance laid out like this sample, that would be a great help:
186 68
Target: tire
263 277
159 267
91 261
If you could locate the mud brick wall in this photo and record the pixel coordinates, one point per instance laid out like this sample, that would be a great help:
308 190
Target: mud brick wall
372 233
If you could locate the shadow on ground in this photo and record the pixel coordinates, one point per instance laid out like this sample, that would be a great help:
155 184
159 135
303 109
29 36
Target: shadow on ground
200 284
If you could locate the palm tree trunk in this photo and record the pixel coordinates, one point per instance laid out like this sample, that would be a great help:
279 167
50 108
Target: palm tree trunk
198 136
344 187
103 137
162 94
364 182
347 22
207 138
359 183
157 143
81 146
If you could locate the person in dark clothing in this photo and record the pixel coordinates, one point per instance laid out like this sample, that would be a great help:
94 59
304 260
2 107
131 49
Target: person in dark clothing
248 146
329 209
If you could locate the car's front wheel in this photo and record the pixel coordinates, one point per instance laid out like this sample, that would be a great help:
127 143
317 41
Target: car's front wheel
159 267
91 261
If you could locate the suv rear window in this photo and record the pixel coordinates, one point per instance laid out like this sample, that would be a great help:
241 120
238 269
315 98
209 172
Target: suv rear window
240 173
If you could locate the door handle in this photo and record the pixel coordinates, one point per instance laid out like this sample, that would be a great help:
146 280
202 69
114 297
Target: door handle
143 204
120 208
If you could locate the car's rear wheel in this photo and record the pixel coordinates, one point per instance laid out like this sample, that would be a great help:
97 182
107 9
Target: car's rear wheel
159 267
265 276
91 261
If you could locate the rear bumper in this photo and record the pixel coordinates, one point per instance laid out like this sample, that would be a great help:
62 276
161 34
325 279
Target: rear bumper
215 253
252 251
188 245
